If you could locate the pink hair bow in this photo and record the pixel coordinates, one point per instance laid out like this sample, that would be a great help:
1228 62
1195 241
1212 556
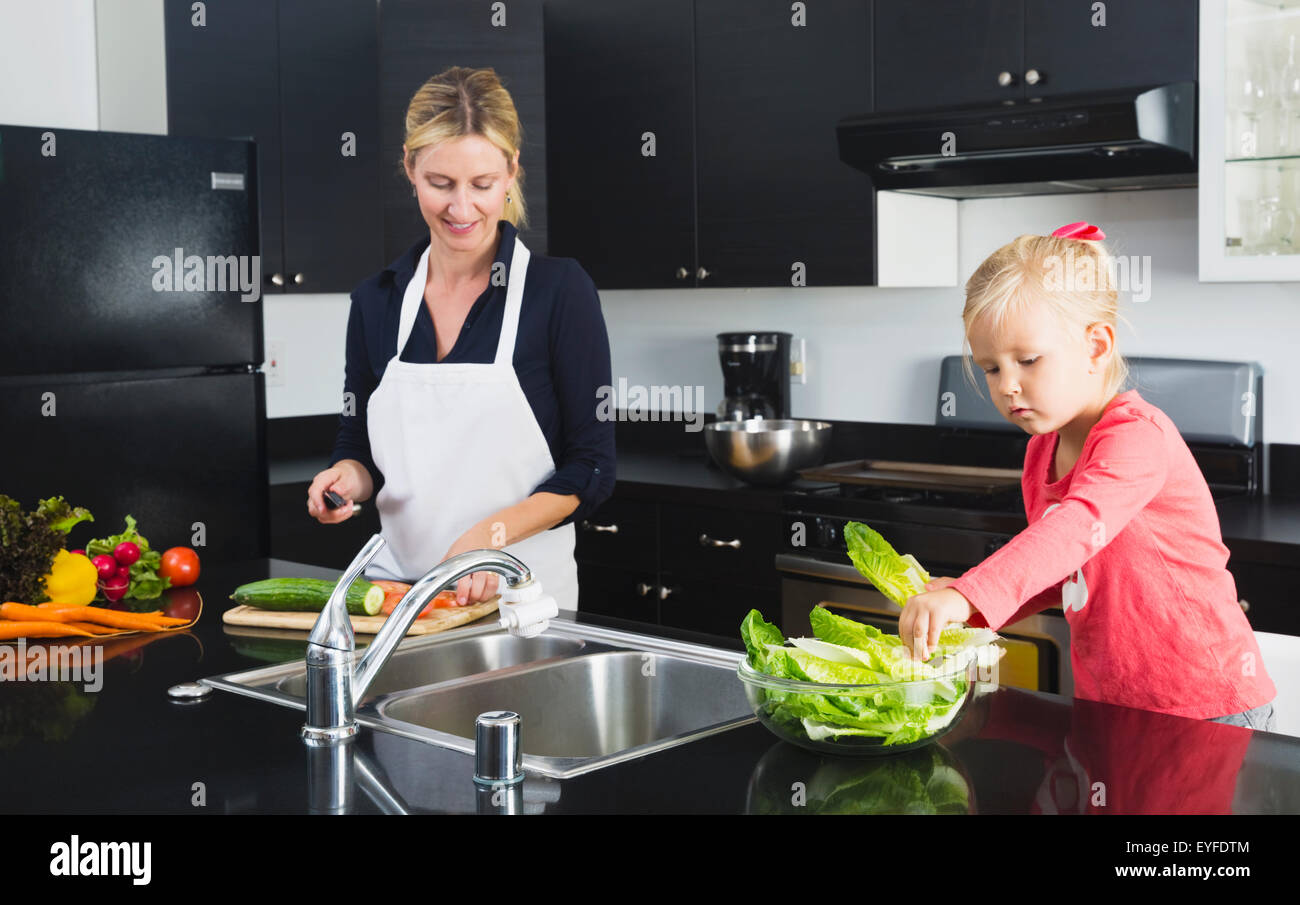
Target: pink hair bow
1080 230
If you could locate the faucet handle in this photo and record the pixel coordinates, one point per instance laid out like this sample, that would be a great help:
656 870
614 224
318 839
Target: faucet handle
525 611
333 628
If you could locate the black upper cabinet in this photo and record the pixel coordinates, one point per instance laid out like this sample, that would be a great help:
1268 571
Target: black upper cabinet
620 131
777 206
221 78
420 39
329 86
294 75
931 54
692 142
1141 43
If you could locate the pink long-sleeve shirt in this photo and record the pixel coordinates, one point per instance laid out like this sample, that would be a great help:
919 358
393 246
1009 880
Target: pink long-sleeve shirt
1160 628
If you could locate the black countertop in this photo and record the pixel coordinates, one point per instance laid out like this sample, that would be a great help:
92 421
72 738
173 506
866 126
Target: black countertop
1016 751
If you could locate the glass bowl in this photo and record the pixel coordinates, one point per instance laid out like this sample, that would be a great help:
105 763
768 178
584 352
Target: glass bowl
912 713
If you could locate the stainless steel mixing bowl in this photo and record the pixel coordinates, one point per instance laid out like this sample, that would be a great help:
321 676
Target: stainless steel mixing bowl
767 452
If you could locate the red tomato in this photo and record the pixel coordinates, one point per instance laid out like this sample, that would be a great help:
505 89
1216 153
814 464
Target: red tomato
181 565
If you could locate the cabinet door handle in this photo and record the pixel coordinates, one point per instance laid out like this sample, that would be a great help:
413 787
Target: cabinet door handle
298 279
1033 77
706 541
664 592
1006 79
702 273
682 273
643 589
591 526
1245 605
277 279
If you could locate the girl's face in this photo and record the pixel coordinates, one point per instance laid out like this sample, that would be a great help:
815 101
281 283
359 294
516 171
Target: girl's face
1041 373
462 186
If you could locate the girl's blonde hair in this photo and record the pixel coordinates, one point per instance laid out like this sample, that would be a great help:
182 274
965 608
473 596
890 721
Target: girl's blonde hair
1073 277
458 102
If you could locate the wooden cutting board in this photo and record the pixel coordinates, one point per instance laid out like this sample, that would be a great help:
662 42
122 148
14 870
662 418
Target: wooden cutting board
440 621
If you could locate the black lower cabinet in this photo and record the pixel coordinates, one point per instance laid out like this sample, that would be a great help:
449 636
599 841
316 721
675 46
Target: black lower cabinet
716 608
621 593
1267 594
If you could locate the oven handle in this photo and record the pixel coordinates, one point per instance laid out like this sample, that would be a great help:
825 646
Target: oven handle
806 565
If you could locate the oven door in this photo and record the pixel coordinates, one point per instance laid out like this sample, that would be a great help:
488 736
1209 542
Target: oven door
1038 646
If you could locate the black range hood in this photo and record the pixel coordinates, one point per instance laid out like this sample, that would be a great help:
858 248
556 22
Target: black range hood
1121 140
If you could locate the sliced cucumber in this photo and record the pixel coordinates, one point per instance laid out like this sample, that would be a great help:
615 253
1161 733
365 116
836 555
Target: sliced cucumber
308 595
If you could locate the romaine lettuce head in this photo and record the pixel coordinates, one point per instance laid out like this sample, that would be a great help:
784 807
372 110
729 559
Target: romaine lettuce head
897 577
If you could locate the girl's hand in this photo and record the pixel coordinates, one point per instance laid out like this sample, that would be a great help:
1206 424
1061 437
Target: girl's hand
349 479
927 614
477 586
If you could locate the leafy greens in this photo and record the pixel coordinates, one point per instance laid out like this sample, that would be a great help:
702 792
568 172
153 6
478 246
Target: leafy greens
913 701
897 577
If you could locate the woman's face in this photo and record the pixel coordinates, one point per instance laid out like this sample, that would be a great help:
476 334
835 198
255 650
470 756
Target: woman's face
1041 373
461 186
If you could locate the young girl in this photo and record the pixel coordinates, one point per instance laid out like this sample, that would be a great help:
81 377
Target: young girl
1123 533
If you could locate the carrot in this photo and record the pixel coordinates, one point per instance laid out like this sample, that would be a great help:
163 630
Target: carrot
10 629
98 615
156 616
94 629
21 611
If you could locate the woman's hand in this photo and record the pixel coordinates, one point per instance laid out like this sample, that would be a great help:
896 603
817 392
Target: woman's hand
349 479
928 613
477 586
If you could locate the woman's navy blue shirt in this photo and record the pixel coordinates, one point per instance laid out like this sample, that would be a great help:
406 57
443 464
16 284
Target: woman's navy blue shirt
561 358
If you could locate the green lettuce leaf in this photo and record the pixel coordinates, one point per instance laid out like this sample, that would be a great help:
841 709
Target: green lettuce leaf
897 577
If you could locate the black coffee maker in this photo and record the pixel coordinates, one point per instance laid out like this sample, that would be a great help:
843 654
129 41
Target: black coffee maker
755 376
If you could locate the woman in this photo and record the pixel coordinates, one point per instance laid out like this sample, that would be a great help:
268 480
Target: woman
475 367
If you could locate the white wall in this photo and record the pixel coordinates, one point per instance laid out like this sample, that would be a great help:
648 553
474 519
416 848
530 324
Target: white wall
872 353
47 64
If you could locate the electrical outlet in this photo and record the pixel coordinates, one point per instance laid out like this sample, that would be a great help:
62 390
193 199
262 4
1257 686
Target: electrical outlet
274 365
798 361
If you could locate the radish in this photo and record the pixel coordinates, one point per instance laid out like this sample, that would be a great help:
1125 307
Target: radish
126 553
106 565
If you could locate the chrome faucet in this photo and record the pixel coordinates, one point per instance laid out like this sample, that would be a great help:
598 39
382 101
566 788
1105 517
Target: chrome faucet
334 687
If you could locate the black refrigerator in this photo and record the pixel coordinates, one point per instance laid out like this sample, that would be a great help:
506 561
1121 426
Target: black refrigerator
130 376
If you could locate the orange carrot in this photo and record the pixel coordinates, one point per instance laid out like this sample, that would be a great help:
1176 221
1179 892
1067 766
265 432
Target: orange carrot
10 629
98 615
156 616
95 629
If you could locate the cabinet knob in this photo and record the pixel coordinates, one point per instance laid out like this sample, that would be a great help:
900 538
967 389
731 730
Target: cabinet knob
664 592
706 541
277 279
1245 605
682 273
702 273
591 526
643 589
1033 76
297 279
1006 79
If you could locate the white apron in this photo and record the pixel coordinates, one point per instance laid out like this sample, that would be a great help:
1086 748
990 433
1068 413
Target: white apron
456 443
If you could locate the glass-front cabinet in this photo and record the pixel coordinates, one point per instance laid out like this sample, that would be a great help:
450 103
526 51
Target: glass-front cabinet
1249 140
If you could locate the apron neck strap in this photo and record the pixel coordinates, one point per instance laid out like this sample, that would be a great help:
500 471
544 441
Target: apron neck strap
414 298
514 302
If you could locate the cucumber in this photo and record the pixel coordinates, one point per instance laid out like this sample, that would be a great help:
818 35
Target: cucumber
308 595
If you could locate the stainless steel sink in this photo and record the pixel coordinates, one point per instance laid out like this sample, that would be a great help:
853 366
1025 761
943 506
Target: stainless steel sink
587 696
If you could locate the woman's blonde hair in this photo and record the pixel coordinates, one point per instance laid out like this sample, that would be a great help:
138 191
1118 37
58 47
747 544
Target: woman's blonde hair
457 102
1073 277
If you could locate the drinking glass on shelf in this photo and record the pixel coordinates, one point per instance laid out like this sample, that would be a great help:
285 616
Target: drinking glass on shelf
1276 227
1289 97
1244 104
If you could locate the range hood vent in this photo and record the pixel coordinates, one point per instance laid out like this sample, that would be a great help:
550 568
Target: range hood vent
1117 141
